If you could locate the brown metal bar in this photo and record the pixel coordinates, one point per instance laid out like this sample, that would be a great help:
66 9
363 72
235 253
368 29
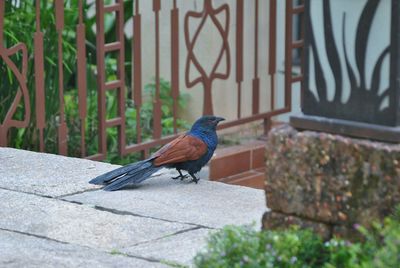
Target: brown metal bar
137 69
256 80
272 86
112 46
145 145
302 63
62 129
272 38
239 52
298 9
96 157
81 70
112 8
288 53
157 102
272 61
114 122
2 5
297 78
175 62
113 84
121 76
39 79
252 118
101 101
298 44
20 75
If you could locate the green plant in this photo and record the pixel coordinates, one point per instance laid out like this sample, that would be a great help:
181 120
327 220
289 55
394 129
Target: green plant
21 15
166 108
242 246
19 26
146 115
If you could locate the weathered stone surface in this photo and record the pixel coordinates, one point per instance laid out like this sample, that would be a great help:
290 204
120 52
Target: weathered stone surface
78 224
47 174
19 250
207 203
331 178
180 248
37 193
275 220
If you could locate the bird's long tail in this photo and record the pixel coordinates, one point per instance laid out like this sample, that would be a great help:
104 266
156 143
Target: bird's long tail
129 174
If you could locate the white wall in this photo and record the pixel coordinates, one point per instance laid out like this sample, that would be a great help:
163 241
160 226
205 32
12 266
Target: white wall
224 91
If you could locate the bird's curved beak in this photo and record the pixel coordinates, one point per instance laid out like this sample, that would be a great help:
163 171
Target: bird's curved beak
219 119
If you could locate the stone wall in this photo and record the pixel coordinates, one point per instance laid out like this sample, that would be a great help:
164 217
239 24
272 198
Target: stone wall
329 182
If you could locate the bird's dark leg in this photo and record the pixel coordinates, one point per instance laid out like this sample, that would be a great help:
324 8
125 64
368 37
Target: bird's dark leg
181 176
194 178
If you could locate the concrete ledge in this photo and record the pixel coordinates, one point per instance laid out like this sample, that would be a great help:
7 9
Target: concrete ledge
48 205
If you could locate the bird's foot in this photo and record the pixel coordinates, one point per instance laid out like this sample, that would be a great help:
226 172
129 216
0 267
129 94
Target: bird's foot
182 177
196 180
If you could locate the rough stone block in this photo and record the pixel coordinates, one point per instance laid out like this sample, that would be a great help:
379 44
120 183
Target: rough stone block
331 178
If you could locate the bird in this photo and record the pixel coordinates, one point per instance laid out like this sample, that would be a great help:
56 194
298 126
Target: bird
188 152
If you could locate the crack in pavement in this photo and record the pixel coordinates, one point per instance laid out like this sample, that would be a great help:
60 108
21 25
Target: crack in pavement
33 235
110 210
113 211
49 196
128 213
30 193
165 236
78 192
83 246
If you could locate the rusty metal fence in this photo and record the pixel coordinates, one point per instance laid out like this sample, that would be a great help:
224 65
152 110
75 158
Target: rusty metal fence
179 30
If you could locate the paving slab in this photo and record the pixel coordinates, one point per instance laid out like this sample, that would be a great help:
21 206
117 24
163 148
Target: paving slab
47 174
78 224
180 248
207 203
20 250
47 199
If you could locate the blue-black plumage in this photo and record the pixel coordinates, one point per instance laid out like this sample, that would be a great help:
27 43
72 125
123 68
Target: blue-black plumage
189 152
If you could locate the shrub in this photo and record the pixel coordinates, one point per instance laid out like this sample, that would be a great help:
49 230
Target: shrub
242 246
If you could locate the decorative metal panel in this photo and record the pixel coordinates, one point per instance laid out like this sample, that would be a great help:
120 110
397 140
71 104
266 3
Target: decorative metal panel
352 60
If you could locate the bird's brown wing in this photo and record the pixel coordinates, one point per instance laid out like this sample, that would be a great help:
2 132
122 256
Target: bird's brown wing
183 148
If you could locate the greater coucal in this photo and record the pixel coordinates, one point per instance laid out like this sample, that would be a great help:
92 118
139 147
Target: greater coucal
190 152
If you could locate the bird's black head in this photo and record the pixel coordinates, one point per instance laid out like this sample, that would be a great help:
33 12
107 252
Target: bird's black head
206 122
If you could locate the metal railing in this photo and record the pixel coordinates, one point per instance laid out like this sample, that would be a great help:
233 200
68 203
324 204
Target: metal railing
230 55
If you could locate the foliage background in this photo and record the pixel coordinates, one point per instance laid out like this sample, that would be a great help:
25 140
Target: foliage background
243 246
19 26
